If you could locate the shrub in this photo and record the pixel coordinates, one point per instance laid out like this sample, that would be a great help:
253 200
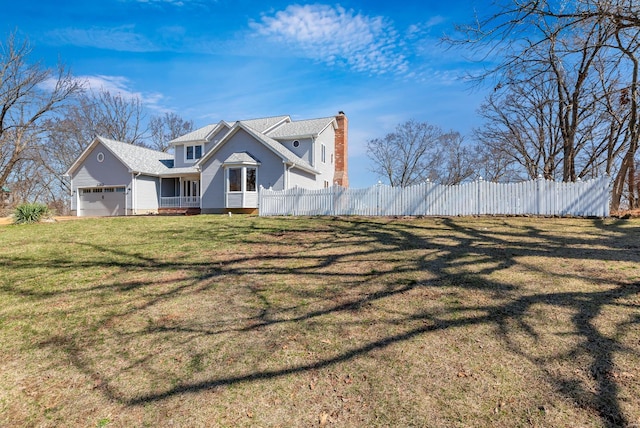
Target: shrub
31 213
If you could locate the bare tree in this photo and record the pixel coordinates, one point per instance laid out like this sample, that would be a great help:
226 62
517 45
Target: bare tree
166 128
553 59
117 117
521 123
579 43
628 43
493 164
458 161
92 113
29 94
416 152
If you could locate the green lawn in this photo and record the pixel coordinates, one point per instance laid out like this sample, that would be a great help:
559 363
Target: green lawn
247 321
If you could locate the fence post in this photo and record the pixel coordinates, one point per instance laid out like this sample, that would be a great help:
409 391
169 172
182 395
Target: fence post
580 197
478 195
539 183
378 196
607 186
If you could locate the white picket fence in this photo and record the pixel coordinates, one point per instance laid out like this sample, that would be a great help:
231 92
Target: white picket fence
535 197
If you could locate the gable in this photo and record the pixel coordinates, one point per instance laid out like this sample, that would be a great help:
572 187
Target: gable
135 159
98 167
284 154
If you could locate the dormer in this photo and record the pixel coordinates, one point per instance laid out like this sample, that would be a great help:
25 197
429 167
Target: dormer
191 147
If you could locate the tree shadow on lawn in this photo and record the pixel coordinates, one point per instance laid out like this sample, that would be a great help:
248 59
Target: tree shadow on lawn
363 262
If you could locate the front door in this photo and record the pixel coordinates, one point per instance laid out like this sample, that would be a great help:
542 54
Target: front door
190 190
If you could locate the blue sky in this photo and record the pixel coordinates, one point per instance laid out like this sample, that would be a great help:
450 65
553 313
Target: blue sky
379 62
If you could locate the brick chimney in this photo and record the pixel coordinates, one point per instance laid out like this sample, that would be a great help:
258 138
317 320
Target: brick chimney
340 176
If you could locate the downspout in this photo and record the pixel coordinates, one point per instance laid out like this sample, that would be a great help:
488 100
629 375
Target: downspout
77 197
313 152
287 167
285 174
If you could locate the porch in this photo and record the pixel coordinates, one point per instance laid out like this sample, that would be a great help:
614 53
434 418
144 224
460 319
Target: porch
179 202
179 195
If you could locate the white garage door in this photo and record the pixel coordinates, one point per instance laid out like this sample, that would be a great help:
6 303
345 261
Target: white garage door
102 201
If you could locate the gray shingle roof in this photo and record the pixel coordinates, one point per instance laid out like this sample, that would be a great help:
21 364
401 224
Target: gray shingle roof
241 157
264 124
143 160
301 128
199 134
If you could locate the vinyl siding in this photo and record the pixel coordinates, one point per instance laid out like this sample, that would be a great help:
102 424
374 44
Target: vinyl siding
178 161
109 172
304 150
327 169
270 170
146 194
299 178
214 140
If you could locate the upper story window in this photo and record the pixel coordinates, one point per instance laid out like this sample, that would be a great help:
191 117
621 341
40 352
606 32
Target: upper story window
192 153
296 143
323 153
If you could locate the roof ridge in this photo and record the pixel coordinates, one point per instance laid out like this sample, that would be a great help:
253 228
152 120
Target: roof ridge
133 145
315 118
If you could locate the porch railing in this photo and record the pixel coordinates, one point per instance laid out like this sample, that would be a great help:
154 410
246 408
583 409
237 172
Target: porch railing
180 202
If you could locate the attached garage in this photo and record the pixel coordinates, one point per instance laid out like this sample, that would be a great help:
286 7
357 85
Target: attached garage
102 201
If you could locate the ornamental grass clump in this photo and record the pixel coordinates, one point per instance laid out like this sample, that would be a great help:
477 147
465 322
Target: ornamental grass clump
31 213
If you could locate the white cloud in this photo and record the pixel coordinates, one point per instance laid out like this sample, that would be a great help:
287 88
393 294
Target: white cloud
121 86
123 38
337 36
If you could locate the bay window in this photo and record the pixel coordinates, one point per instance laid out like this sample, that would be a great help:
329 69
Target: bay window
241 187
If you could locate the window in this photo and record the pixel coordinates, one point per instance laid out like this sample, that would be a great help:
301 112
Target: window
100 157
326 184
190 188
193 152
323 153
251 180
236 179
296 143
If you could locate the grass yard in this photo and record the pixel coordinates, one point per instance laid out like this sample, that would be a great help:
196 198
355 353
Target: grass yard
300 322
